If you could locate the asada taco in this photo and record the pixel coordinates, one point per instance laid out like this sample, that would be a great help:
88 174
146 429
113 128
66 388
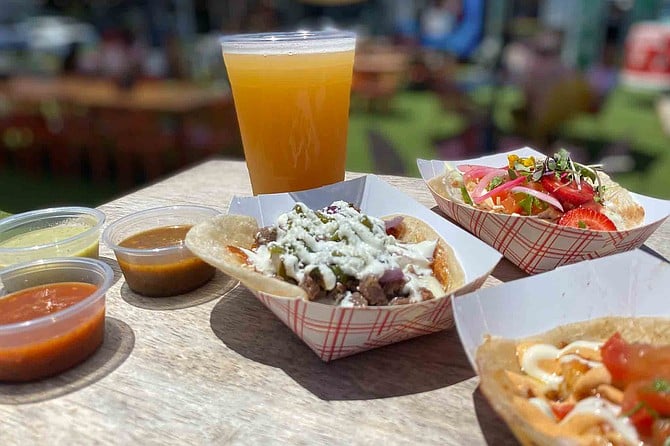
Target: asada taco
599 382
336 255
554 188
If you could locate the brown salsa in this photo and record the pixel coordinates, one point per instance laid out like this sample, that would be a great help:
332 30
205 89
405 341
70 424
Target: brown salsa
169 275
57 346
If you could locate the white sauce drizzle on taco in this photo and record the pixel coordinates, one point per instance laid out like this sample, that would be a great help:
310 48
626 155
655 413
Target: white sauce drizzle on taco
341 254
566 379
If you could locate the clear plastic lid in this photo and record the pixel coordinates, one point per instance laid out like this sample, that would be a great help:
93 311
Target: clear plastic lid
300 42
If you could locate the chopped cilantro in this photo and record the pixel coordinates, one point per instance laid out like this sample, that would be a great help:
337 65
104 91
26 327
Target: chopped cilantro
527 203
639 406
661 385
497 181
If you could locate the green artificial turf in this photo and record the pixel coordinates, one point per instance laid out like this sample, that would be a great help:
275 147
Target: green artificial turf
412 124
629 117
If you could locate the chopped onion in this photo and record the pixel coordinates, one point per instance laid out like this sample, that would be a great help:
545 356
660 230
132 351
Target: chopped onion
393 223
540 196
392 275
503 187
473 173
480 189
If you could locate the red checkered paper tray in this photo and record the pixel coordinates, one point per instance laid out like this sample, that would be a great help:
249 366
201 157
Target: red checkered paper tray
334 332
533 244
631 284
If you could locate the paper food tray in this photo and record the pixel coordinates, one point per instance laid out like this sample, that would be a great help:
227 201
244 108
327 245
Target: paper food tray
631 284
334 332
537 245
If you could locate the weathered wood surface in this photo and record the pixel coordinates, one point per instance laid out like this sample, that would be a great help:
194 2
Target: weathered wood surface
216 367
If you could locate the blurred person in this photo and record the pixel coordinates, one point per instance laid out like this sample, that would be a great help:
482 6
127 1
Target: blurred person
452 26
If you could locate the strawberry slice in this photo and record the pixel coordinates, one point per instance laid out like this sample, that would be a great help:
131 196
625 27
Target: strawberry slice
566 192
586 218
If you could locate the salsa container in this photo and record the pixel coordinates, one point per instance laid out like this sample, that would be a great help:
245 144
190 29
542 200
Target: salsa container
51 344
537 245
159 272
334 332
82 243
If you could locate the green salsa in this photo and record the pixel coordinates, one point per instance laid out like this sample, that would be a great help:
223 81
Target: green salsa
55 234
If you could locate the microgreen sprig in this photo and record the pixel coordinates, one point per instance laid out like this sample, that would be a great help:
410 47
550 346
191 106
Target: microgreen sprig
562 166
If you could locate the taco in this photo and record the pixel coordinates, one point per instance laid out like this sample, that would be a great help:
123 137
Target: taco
336 255
555 189
600 382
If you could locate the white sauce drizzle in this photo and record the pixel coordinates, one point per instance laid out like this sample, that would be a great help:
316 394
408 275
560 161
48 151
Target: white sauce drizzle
609 413
543 405
530 362
346 241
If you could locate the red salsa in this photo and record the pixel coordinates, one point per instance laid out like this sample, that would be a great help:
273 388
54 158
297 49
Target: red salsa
50 348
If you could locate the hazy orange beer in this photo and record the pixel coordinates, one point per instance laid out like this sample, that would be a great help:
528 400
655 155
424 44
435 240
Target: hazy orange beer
291 93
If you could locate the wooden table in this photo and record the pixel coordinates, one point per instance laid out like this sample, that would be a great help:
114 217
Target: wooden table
216 367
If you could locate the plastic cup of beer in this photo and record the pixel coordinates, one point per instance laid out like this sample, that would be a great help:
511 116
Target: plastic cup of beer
291 92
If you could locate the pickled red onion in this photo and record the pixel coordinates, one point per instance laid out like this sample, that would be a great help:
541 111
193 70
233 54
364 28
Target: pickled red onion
473 172
503 187
540 196
484 182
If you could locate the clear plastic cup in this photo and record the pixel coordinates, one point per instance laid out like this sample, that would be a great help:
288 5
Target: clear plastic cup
291 92
160 271
49 344
54 232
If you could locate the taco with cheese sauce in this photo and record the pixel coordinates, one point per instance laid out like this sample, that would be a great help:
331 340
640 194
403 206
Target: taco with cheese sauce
600 382
336 255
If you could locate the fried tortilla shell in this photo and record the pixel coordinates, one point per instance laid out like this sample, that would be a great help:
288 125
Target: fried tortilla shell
620 206
217 242
495 358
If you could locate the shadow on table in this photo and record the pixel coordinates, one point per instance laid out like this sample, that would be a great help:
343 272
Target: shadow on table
115 268
220 284
116 348
654 253
493 427
417 365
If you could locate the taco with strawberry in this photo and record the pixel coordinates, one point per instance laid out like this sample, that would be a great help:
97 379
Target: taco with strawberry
555 188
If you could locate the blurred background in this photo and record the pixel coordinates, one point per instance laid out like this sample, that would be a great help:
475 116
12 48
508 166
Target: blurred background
100 97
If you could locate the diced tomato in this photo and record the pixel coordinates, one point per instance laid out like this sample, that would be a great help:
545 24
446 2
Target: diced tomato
656 394
560 410
510 204
567 192
635 361
632 407
660 432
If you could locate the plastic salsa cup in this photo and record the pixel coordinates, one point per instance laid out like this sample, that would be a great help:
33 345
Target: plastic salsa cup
47 344
149 247
54 232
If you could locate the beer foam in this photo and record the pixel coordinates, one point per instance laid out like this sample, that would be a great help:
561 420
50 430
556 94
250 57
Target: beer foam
299 42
